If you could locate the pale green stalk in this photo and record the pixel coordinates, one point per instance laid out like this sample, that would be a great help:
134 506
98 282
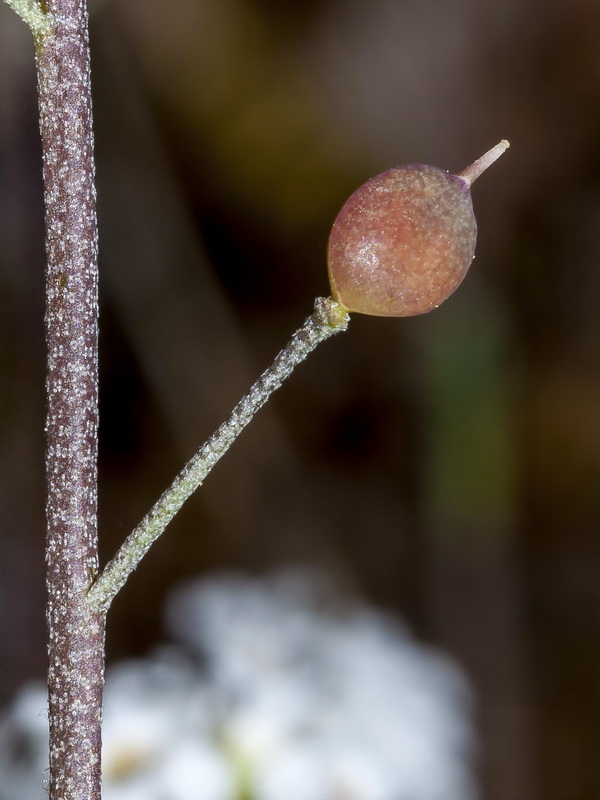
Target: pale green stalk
327 319
32 15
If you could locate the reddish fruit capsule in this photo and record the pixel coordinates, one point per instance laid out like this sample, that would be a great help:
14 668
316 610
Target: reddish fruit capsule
405 239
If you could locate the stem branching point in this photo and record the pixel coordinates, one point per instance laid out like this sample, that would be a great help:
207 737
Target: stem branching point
32 15
327 319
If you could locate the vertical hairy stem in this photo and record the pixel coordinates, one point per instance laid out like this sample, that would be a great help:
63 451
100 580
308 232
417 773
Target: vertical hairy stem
76 632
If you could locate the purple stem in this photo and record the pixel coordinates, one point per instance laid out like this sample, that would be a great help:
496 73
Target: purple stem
76 632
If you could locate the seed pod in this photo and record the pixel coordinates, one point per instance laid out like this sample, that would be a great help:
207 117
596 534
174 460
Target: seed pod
405 239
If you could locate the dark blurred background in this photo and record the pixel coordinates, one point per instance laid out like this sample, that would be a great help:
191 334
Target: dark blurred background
446 465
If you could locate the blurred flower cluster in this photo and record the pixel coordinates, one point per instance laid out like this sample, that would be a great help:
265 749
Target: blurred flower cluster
277 689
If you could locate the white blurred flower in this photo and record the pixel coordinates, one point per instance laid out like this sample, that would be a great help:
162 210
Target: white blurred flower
156 734
24 745
346 700
274 692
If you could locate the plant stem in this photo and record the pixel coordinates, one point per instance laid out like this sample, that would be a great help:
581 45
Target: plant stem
76 630
327 319
31 13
